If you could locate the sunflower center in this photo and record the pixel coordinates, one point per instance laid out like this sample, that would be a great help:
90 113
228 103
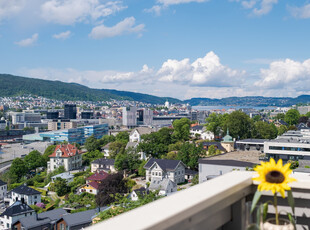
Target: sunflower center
274 177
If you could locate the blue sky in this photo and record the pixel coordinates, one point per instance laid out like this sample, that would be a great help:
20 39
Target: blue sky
176 48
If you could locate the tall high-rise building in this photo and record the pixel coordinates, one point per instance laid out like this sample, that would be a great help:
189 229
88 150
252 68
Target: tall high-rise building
130 116
52 115
70 111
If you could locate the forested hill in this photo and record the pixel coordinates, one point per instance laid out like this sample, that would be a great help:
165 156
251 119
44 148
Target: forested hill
252 101
11 85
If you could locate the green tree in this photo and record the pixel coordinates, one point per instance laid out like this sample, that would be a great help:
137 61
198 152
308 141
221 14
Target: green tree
172 155
211 150
181 129
141 169
195 180
282 129
106 139
122 137
308 115
91 156
61 187
128 161
115 148
303 119
48 151
265 130
92 144
239 125
280 116
34 160
18 169
256 118
189 154
292 117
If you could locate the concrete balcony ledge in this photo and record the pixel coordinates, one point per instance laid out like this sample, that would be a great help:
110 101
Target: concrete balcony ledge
216 204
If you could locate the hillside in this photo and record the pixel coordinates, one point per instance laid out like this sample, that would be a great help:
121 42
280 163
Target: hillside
11 85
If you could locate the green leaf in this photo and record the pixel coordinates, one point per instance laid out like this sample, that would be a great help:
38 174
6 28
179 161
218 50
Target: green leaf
259 214
256 197
265 211
290 200
291 218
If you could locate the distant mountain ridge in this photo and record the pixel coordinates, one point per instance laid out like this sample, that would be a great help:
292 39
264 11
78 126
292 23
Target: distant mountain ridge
11 85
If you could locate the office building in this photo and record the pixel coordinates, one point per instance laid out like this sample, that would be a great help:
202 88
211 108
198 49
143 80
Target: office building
70 111
130 117
61 124
52 115
145 117
87 115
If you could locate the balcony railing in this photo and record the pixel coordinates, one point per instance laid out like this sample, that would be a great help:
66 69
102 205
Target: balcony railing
219 203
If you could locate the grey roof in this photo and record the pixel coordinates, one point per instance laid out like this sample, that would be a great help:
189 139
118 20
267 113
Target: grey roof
104 161
226 162
80 218
17 208
161 184
217 144
190 172
65 175
291 140
256 141
164 164
142 130
2 183
131 145
197 127
43 218
25 190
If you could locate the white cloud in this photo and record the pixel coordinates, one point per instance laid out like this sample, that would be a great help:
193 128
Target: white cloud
9 8
69 12
164 4
300 12
28 41
206 71
126 26
287 75
258 7
63 35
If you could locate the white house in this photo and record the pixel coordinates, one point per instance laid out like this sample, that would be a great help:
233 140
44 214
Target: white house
134 195
202 132
3 189
164 186
66 155
158 169
15 212
25 194
135 134
103 164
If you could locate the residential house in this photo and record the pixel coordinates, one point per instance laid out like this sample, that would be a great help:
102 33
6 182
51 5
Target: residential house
106 150
201 131
25 194
44 220
66 155
3 189
78 220
278 123
217 146
15 212
103 164
134 195
189 174
135 134
93 181
164 186
158 169
66 176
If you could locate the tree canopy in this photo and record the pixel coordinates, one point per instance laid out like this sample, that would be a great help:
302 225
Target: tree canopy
181 129
292 117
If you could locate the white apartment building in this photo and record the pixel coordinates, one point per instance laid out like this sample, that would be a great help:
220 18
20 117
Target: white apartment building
66 155
25 194
3 189
130 116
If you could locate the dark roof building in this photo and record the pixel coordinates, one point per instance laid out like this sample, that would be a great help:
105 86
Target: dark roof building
164 164
44 220
17 208
104 161
25 190
2 183
233 163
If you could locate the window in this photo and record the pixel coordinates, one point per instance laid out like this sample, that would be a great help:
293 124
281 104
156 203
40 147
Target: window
159 174
156 173
35 197
90 190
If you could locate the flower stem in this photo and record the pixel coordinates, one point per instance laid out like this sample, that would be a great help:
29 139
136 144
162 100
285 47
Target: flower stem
275 204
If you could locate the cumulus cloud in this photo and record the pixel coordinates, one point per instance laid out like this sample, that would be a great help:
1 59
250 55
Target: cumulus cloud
126 26
206 71
156 9
258 7
63 35
9 8
300 12
287 74
29 41
69 12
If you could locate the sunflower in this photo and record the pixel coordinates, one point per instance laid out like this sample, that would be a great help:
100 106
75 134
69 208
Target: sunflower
274 176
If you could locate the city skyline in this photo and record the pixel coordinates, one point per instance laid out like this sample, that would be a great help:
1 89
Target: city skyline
173 48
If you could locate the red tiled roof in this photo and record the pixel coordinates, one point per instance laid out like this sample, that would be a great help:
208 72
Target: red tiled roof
67 150
98 176
94 184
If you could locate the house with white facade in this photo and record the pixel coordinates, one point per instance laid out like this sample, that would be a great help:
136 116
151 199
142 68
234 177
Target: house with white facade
66 155
103 164
3 189
15 212
25 194
164 187
135 134
201 131
134 195
158 169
